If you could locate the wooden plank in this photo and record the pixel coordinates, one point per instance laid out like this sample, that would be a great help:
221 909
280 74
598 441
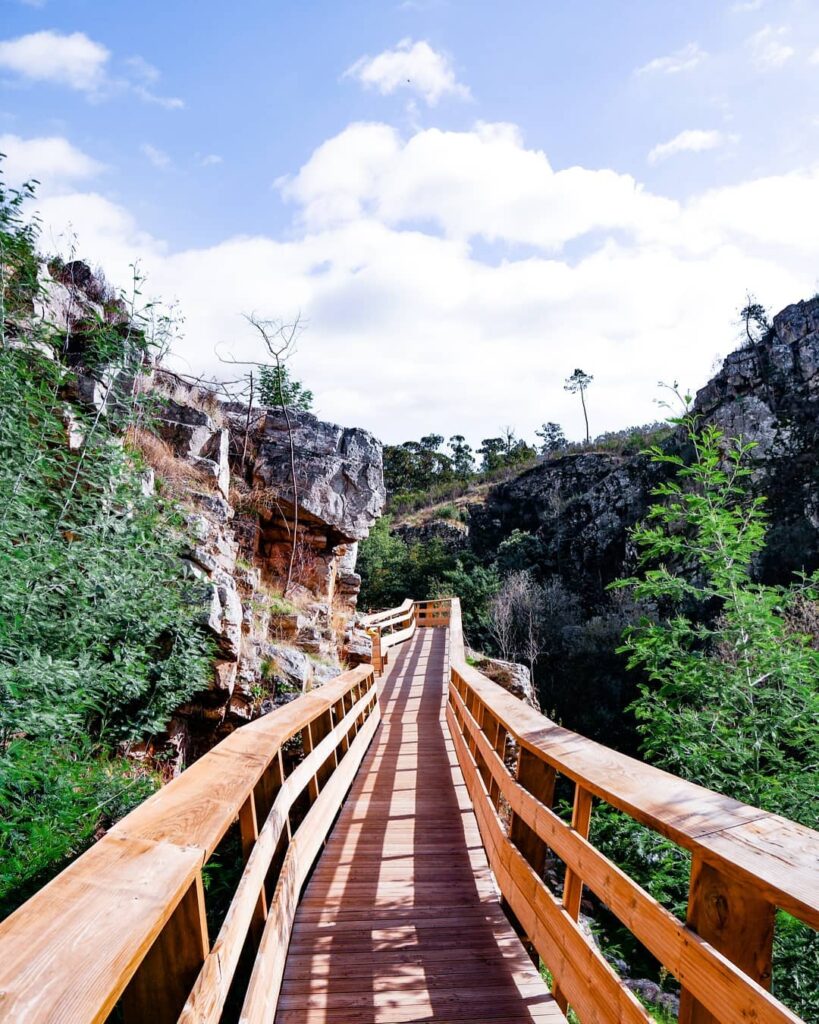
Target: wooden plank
67 954
160 986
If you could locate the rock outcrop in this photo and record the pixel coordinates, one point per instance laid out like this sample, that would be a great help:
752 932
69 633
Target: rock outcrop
229 469
580 507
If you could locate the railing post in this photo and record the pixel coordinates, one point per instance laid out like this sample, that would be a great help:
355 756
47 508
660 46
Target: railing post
572 882
539 779
249 830
377 660
735 920
162 983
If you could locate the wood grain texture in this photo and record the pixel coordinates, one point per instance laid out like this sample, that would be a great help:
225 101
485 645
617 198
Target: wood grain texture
401 919
700 967
777 857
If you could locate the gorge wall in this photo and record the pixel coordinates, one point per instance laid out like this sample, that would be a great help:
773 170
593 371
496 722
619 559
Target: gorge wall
581 507
228 467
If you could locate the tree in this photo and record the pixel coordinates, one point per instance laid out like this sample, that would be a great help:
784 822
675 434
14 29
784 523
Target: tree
278 387
579 382
754 314
552 438
516 618
280 340
492 450
463 463
730 700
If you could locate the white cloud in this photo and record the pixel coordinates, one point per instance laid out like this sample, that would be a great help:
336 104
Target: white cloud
693 140
51 160
768 49
682 60
413 66
744 6
73 60
454 341
80 63
158 157
482 183
211 159
814 57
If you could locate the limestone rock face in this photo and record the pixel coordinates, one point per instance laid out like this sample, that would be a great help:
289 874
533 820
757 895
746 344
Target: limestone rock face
338 471
511 675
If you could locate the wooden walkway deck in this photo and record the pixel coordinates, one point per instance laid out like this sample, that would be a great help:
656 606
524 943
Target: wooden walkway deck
401 920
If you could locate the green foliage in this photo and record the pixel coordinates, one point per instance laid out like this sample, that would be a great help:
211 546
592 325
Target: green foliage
552 438
730 700
277 387
392 570
101 633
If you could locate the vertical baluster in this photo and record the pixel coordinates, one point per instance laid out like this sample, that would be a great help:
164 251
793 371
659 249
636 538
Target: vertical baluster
572 882
249 829
734 919
162 983
539 779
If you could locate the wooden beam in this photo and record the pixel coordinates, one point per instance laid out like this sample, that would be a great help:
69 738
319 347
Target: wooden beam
734 920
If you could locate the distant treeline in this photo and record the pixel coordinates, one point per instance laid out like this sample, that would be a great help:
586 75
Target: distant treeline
432 469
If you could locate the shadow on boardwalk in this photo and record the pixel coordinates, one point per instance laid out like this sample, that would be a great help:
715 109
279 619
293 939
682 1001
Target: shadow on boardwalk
401 920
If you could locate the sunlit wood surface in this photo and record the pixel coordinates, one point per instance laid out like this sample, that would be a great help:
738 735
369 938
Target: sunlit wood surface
401 920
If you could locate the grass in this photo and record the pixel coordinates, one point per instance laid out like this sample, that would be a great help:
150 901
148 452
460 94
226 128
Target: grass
175 476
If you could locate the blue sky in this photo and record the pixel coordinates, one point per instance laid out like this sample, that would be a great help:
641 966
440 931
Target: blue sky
464 199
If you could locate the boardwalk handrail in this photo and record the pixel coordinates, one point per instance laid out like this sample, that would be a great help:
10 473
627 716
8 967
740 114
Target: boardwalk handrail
125 923
745 862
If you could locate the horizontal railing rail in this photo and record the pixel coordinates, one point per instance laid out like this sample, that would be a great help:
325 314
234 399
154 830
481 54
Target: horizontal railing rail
124 927
745 862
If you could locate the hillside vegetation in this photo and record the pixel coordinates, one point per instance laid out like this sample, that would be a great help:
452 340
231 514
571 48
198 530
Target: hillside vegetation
100 629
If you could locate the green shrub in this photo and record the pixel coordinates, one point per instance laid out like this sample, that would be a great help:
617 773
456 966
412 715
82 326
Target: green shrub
101 632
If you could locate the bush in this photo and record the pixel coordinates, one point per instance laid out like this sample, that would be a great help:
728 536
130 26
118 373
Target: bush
101 633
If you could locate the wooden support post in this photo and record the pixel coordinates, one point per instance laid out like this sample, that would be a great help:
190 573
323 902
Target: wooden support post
572 882
249 829
164 979
539 779
377 659
733 918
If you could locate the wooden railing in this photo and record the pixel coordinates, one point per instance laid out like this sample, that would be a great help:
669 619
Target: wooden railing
389 629
124 927
745 862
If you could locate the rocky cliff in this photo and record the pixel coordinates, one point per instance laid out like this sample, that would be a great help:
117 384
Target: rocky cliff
580 507
228 467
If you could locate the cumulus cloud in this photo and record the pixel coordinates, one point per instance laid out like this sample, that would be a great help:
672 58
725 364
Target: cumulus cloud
682 60
483 182
693 140
413 66
768 48
73 60
52 160
77 62
452 339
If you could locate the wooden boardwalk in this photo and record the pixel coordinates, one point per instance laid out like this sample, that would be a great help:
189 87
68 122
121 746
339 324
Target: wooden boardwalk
401 920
